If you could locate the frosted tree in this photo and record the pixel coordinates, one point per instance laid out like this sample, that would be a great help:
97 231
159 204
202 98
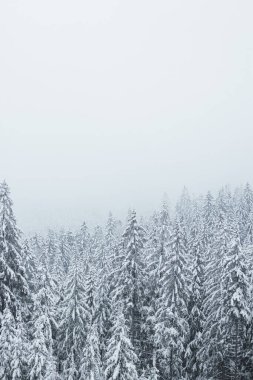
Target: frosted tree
196 300
74 319
248 230
7 338
152 284
91 364
209 216
51 249
13 347
104 283
156 256
110 241
13 285
30 264
163 234
14 290
214 285
120 359
96 247
184 209
214 337
58 273
91 292
171 331
245 210
36 245
130 282
83 241
236 308
41 361
64 250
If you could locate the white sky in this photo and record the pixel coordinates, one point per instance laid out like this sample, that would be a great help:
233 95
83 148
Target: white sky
108 104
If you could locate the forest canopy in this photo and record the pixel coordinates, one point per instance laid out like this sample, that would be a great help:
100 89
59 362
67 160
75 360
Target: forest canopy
168 297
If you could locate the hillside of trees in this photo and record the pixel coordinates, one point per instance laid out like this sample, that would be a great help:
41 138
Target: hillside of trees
168 298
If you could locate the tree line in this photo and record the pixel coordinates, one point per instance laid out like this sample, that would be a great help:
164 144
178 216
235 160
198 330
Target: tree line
163 298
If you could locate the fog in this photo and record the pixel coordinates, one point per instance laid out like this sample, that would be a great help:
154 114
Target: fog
106 105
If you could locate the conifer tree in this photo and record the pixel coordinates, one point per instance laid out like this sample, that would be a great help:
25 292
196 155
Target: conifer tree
131 279
213 352
51 249
41 359
120 357
64 250
209 216
83 241
196 301
13 285
156 250
74 319
91 364
7 339
172 315
245 210
30 265
20 352
236 308
13 288
104 284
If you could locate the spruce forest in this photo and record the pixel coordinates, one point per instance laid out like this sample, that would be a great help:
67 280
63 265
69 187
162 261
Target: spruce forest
164 298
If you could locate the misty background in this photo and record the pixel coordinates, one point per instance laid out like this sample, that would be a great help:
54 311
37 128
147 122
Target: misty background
106 105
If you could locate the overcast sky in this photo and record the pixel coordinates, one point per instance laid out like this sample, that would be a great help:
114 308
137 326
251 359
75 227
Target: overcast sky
107 104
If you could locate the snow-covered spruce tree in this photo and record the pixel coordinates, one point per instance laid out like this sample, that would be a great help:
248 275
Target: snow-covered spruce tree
51 249
74 319
91 364
153 270
14 290
58 273
160 237
20 345
129 288
91 291
184 209
196 300
209 216
41 362
30 265
228 316
244 212
96 247
236 309
213 348
64 250
46 280
248 231
120 359
104 310
36 244
172 329
248 251
110 240
225 209
156 255
83 241
50 266
13 285
8 344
